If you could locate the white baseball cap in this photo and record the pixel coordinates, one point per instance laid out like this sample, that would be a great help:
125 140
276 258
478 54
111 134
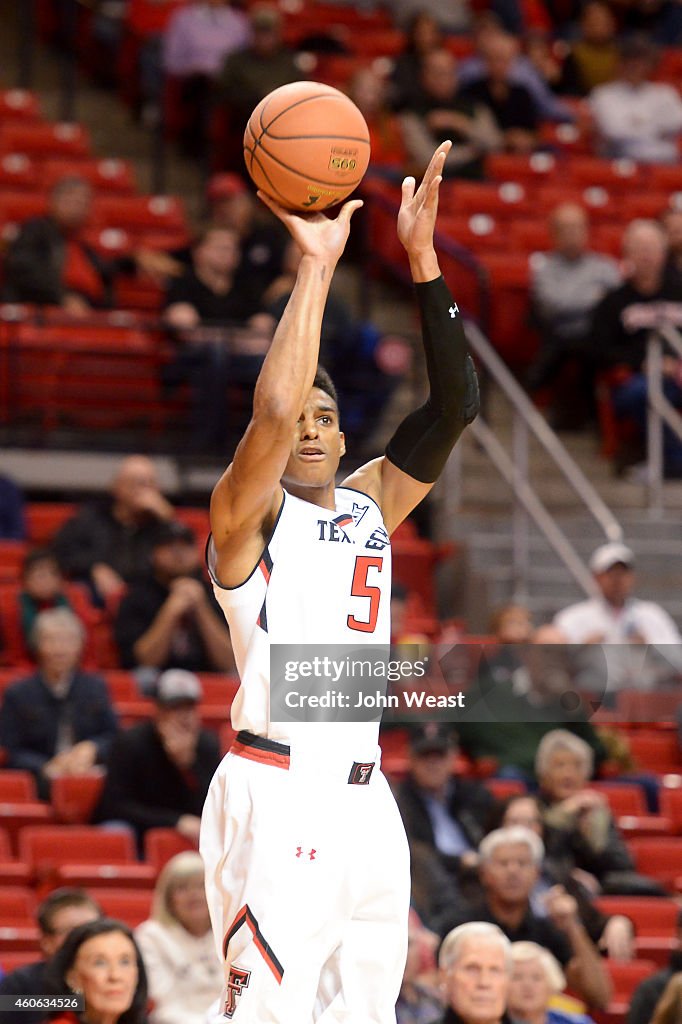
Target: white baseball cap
175 686
608 555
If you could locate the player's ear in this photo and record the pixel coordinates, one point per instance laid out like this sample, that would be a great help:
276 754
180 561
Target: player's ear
342 438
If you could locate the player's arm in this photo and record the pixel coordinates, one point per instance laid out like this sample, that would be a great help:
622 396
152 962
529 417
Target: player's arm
417 452
247 495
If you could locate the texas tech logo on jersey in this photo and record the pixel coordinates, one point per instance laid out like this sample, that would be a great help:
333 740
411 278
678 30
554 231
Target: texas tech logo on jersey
237 981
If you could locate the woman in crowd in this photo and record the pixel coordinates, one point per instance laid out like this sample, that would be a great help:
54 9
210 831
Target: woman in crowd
100 961
185 975
536 979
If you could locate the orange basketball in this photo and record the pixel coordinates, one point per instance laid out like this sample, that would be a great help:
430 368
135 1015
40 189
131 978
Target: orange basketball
307 146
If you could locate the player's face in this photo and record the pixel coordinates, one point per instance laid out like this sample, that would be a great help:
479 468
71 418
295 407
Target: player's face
318 444
510 873
478 981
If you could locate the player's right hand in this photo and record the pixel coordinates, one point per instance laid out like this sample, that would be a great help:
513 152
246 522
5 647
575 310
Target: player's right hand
323 238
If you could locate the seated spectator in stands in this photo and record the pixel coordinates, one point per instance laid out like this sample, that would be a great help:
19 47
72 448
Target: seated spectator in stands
646 996
158 772
510 864
521 71
475 969
198 39
205 308
422 35
566 285
440 110
635 117
584 830
613 934
101 961
12 515
369 92
439 809
184 973
451 17
252 72
58 721
536 979
418 1002
672 225
592 59
50 262
512 106
622 322
171 619
43 587
108 542
61 911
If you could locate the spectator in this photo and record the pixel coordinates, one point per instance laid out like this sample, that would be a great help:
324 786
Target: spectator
566 285
536 979
440 110
418 1002
12 515
108 543
647 995
589 837
649 297
633 116
184 974
369 92
522 72
205 307
101 961
158 772
251 73
510 864
200 36
445 812
593 57
475 968
51 263
422 35
669 1007
170 620
672 225
451 17
58 721
60 912
614 934
511 104
43 587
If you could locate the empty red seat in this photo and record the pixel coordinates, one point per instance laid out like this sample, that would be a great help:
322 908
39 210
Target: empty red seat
16 785
138 214
18 937
26 813
503 200
83 855
19 105
12 554
12 959
671 807
656 751
45 139
478 231
74 797
664 178
133 906
623 797
625 977
527 236
160 844
659 858
107 175
17 905
45 518
502 789
601 204
655 707
527 170
614 175
18 171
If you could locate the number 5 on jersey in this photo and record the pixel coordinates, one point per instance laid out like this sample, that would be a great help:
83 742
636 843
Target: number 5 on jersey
361 588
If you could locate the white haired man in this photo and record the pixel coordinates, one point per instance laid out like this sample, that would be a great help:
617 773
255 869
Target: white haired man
510 865
475 970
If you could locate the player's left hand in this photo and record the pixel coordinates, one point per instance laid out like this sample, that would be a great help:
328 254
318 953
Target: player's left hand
418 209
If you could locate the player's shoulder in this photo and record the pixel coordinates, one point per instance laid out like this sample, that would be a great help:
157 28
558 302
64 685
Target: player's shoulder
366 480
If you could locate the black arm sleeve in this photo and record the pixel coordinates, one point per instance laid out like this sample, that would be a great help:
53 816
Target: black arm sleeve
422 443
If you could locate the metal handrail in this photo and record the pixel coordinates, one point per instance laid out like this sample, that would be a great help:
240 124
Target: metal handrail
523 407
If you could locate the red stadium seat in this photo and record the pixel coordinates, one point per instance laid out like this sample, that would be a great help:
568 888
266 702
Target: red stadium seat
479 231
671 807
14 817
505 201
12 959
655 707
17 905
219 690
45 140
19 105
527 170
623 797
509 328
625 978
18 937
45 518
656 751
528 236
140 214
132 906
619 176
160 844
83 855
17 785
654 920
17 172
502 789
12 554
660 858
74 797
121 685
106 176
601 205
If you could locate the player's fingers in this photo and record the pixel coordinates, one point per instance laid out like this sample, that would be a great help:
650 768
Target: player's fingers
278 210
408 187
436 164
348 209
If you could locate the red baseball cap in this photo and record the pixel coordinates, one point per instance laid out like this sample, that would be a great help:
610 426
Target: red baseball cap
224 186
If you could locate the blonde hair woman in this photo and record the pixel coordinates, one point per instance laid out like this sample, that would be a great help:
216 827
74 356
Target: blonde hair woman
185 976
536 979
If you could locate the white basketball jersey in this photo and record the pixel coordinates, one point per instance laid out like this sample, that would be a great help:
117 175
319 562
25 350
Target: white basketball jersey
324 578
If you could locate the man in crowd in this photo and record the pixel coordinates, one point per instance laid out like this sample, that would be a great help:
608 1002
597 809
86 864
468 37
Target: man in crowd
108 543
60 720
475 969
59 913
634 117
511 860
170 619
622 321
566 285
158 772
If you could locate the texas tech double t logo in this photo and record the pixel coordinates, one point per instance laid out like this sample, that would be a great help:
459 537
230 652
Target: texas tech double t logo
238 980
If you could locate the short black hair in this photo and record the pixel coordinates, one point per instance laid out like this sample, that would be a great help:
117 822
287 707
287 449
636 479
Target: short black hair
64 959
324 382
35 556
67 896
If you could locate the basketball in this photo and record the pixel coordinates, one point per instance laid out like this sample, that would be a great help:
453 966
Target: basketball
307 146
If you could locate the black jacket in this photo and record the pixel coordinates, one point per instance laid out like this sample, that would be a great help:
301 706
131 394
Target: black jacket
31 714
29 980
145 788
646 995
95 535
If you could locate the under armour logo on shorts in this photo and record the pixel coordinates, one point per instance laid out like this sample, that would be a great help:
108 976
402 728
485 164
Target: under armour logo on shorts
360 774
237 981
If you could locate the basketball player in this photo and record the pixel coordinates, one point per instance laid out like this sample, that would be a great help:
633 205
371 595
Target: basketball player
307 868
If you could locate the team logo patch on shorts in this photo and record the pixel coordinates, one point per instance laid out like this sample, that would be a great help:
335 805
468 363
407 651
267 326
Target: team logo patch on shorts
237 981
360 774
